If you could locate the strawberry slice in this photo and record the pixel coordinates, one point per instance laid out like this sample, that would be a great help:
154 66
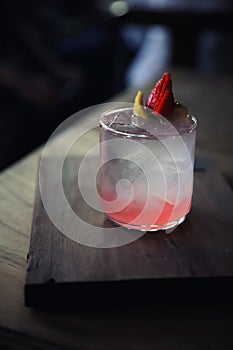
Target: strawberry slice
161 98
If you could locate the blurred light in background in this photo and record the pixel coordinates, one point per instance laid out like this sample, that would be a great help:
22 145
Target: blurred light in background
119 8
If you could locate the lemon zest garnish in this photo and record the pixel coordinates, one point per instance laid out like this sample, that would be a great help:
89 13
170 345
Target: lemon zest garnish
138 107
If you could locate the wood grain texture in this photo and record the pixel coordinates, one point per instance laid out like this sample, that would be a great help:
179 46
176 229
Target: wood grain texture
161 327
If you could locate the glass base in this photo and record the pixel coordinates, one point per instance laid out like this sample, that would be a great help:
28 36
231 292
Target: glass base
151 228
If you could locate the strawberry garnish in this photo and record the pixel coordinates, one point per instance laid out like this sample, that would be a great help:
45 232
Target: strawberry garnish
161 98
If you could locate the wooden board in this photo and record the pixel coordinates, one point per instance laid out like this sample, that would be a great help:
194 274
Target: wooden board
194 262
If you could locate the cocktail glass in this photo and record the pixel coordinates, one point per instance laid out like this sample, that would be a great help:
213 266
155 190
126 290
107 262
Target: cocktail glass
145 180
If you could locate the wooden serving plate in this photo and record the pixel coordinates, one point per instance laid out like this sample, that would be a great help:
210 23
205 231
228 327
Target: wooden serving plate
193 263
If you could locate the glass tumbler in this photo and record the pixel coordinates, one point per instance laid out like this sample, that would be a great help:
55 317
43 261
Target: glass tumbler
145 179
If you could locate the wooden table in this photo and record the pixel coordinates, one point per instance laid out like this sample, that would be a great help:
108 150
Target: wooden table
162 327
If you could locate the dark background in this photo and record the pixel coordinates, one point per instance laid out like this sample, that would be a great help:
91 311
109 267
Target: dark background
57 57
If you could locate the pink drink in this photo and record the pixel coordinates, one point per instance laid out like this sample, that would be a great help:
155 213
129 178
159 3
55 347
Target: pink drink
146 178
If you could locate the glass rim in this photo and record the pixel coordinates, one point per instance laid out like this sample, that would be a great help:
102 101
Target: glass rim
189 130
